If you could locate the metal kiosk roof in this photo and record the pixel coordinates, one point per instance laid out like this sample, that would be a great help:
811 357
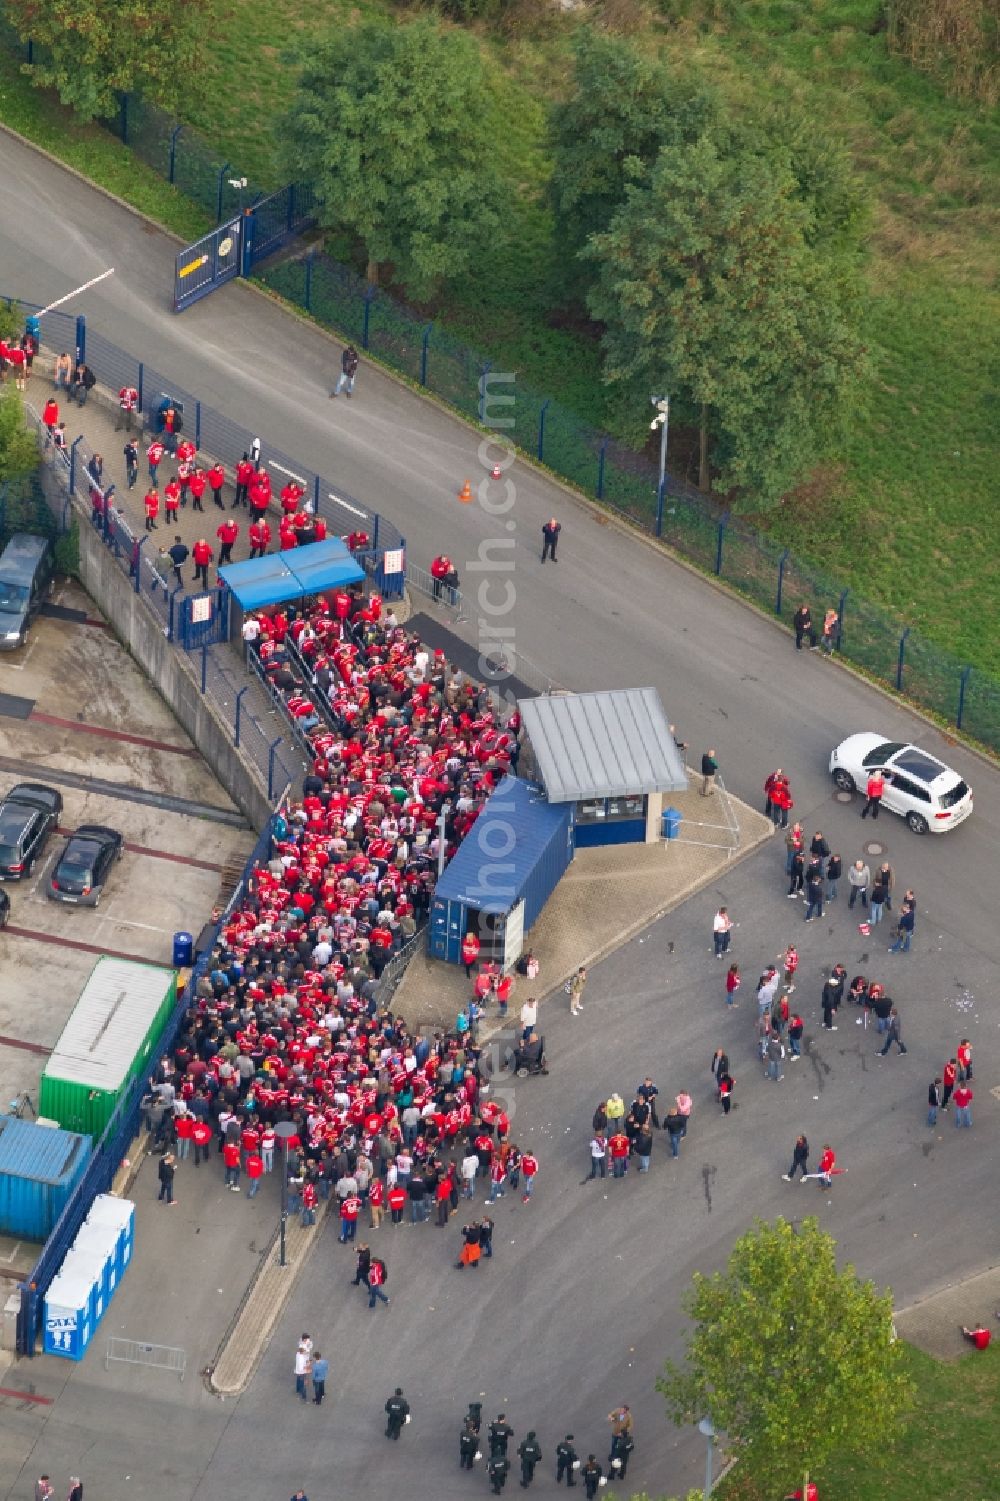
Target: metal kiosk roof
280 576
602 744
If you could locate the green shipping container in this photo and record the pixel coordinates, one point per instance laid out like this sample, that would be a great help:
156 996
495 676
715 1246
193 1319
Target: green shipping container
107 1043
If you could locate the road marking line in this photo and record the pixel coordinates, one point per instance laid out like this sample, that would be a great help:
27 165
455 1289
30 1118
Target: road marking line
24 1047
8 1391
83 948
108 734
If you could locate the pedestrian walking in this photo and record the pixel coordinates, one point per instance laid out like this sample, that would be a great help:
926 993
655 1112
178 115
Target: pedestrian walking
827 1167
775 1059
814 895
904 930
894 1033
231 1163
254 1167
529 1452
834 870
468 1445
550 539
885 874
674 1125
128 402
790 963
794 844
227 534
497 1470
43 1488
165 1173
377 1277
529 1167
726 1083
202 554
876 902
964 1057
260 537
781 801
859 878
178 555
75 1489
800 1159
576 986
397 1414
216 477
796 875
933 1100
593 1476
732 984
349 362
470 953
567 1462
963 1105
796 1027
722 927
831 631
803 623
598 1155
244 474
709 772
873 794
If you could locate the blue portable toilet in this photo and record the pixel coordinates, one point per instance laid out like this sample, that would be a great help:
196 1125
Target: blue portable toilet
98 1243
91 1267
503 874
67 1318
119 1216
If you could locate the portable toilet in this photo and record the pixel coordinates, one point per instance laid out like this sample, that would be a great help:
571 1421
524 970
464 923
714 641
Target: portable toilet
67 1316
119 1213
90 1265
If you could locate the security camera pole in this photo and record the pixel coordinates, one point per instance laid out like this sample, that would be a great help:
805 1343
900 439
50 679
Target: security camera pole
661 421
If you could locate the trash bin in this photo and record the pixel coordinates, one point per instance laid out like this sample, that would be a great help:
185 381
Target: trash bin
183 950
671 824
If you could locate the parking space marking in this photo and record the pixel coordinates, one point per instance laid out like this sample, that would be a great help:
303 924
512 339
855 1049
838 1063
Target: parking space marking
144 849
20 666
108 734
8 1391
24 1047
124 922
83 948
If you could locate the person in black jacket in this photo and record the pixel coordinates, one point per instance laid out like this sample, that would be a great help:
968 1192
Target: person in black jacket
802 621
468 1445
397 1411
709 772
834 871
82 383
529 1452
349 362
566 1461
165 1173
550 539
499 1435
800 1159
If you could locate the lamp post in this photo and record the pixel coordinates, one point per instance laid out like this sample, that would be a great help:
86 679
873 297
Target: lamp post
661 421
284 1131
707 1427
442 843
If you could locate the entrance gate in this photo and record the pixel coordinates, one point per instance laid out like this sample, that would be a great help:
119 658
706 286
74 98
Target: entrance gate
208 263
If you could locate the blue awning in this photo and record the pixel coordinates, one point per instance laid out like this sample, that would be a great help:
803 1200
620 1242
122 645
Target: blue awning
280 576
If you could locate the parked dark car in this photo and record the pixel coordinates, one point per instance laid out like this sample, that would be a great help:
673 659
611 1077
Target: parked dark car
4 907
28 814
26 570
82 870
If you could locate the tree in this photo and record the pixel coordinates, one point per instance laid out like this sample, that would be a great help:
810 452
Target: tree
710 287
90 50
18 449
790 1357
623 106
393 124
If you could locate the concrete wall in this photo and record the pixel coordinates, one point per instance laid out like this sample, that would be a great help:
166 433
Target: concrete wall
169 670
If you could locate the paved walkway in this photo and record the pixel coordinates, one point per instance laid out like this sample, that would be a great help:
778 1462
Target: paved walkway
934 1324
606 897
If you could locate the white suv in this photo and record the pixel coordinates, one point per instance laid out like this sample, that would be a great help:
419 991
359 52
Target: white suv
931 797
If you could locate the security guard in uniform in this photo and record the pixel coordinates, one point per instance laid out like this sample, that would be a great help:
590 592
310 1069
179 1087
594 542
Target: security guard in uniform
592 1476
497 1469
500 1433
397 1411
566 1460
529 1452
468 1445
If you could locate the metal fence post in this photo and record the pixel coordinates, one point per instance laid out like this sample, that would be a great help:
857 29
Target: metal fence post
840 619
204 668
139 379
218 193
239 713
661 495
962 685
720 539
308 293
370 294
123 119
899 660
423 354
781 579
31 51
197 424
375 518
316 496
272 751
290 215
81 338
72 463
484 372
172 163
541 429
172 620
600 471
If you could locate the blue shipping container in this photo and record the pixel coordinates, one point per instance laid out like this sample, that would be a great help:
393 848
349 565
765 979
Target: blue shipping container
517 851
39 1168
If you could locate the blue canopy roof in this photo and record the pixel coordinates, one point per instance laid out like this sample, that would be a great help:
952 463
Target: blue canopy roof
280 576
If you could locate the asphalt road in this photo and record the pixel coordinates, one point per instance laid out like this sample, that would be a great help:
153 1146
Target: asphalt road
581 1303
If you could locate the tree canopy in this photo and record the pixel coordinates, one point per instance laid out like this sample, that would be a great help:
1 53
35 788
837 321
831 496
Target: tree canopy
790 1356
710 285
392 124
89 50
18 449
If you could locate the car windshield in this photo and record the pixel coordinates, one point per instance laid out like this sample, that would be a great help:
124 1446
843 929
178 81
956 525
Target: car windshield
917 763
954 794
13 597
882 753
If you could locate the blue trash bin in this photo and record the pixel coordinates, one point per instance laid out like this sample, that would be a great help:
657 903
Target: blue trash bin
183 950
671 823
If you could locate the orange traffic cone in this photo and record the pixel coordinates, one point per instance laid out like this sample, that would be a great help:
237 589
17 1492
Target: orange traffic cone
465 494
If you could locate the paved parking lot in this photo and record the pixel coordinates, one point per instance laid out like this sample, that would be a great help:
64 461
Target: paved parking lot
76 713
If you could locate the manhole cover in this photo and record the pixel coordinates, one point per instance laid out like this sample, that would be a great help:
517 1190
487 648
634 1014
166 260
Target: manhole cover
873 847
843 797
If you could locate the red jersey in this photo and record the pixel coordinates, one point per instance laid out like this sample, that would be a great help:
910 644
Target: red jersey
231 1154
197 483
228 531
529 1164
154 452
202 554
255 1166
828 1161
876 786
376 1194
217 476
962 1096
351 1208
260 534
397 1198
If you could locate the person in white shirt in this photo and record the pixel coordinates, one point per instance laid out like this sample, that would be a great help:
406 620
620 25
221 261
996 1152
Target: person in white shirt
722 931
470 1167
598 1156
529 1016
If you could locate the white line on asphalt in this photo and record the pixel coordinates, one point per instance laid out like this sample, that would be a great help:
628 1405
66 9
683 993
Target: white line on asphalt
20 666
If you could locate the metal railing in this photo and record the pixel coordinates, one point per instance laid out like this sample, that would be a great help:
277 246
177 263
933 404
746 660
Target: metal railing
138 1352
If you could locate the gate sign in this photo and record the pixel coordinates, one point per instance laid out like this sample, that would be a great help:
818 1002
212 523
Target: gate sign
392 560
207 264
201 609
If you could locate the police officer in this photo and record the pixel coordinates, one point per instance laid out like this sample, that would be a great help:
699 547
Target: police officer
566 1461
497 1469
529 1452
397 1411
592 1476
468 1445
499 1434
475 1416
622 1445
